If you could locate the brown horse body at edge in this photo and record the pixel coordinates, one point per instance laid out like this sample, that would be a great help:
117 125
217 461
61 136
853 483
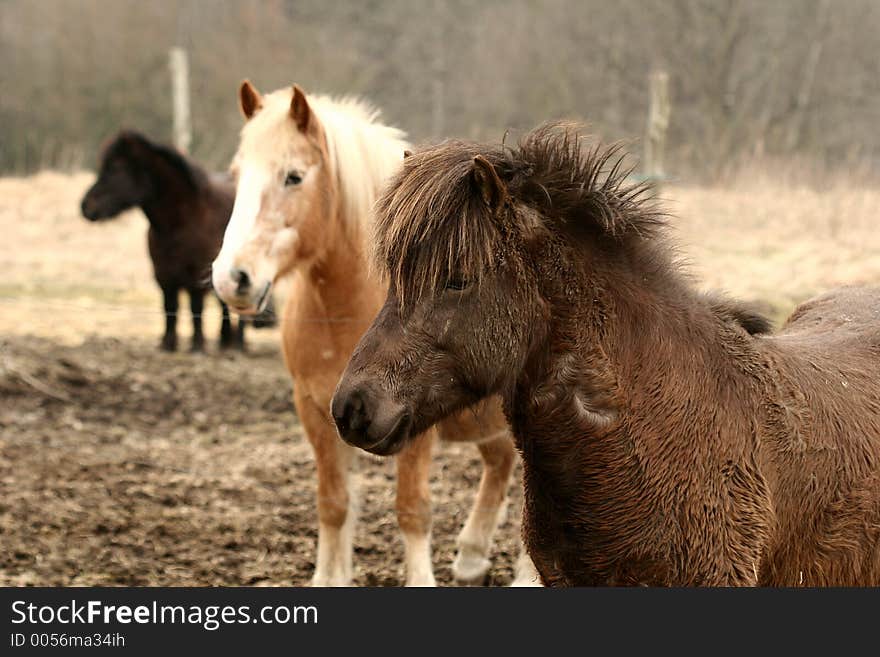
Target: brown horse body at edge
662 444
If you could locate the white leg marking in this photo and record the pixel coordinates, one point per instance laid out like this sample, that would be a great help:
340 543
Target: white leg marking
472 561
335 544
419 571
525 574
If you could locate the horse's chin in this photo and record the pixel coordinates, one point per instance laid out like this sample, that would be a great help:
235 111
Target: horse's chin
256 304
100 216
396 439
263 298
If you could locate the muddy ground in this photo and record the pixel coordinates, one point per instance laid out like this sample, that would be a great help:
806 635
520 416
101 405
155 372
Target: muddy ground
121 465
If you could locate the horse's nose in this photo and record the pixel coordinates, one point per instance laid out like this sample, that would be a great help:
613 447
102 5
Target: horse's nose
86 207
241 280
351 417
369 418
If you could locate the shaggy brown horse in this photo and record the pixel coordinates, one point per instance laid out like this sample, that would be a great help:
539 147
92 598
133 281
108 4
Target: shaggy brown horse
187 211
662 443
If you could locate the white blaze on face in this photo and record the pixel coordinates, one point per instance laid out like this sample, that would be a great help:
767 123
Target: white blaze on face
252 182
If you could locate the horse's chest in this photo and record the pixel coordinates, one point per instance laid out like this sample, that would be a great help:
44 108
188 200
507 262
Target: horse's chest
565 558
578 539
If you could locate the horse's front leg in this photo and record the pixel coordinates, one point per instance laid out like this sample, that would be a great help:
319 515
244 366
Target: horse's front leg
525 573
414 509
472 561
239 334
170 302
337 508
196 307
225 327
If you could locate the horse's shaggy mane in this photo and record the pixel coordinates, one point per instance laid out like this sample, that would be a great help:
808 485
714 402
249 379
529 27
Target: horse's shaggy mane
122 144
433 223
363 152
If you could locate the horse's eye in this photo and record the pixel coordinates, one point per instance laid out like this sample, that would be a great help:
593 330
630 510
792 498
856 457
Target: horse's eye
293 178
456 284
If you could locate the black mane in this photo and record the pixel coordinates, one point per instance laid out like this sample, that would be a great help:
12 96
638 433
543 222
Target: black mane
127 141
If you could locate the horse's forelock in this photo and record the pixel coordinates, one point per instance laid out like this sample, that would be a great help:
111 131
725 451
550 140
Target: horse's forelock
361 152
432 223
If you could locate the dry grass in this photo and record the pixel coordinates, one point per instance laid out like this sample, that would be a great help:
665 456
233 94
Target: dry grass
778 245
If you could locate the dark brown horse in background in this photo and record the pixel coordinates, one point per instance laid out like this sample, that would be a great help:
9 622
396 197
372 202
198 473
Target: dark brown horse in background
662 443
188 212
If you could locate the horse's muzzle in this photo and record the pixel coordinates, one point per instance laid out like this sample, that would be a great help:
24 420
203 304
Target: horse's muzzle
236 287
370 419
91 209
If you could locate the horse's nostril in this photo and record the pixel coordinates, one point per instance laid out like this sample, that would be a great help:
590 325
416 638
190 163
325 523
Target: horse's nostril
351 417
241 279
356 418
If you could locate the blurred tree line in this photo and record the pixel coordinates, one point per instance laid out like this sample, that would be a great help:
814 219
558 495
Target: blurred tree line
748 78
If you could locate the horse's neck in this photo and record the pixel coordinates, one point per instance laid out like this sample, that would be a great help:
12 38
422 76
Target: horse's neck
337 285
623 346
633 394
172 200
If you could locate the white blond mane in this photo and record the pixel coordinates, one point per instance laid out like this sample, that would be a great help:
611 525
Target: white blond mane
363 153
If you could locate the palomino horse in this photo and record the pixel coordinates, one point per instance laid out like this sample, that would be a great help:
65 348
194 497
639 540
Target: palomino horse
309 170
187 211
662 443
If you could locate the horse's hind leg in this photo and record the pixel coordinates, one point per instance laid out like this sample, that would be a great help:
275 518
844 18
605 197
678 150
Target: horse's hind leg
337 507
196 306
472 561
414 509
170 300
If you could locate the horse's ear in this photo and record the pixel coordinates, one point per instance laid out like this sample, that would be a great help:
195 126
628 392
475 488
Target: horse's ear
407 154
249 99
300 111
494 191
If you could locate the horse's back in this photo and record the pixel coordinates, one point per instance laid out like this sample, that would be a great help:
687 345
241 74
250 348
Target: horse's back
846 318
824 424
830 349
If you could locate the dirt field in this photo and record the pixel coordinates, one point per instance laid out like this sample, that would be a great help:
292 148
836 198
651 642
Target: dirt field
123 465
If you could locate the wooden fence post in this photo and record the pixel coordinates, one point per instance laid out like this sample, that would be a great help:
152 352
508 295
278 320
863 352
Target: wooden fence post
179 65
658 122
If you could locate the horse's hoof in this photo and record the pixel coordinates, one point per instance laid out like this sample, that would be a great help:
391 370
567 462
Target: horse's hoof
424 581
325 581
526 581
197 348
168 345
470 571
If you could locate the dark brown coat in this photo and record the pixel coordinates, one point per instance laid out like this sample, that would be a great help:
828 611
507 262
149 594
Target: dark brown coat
188 212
